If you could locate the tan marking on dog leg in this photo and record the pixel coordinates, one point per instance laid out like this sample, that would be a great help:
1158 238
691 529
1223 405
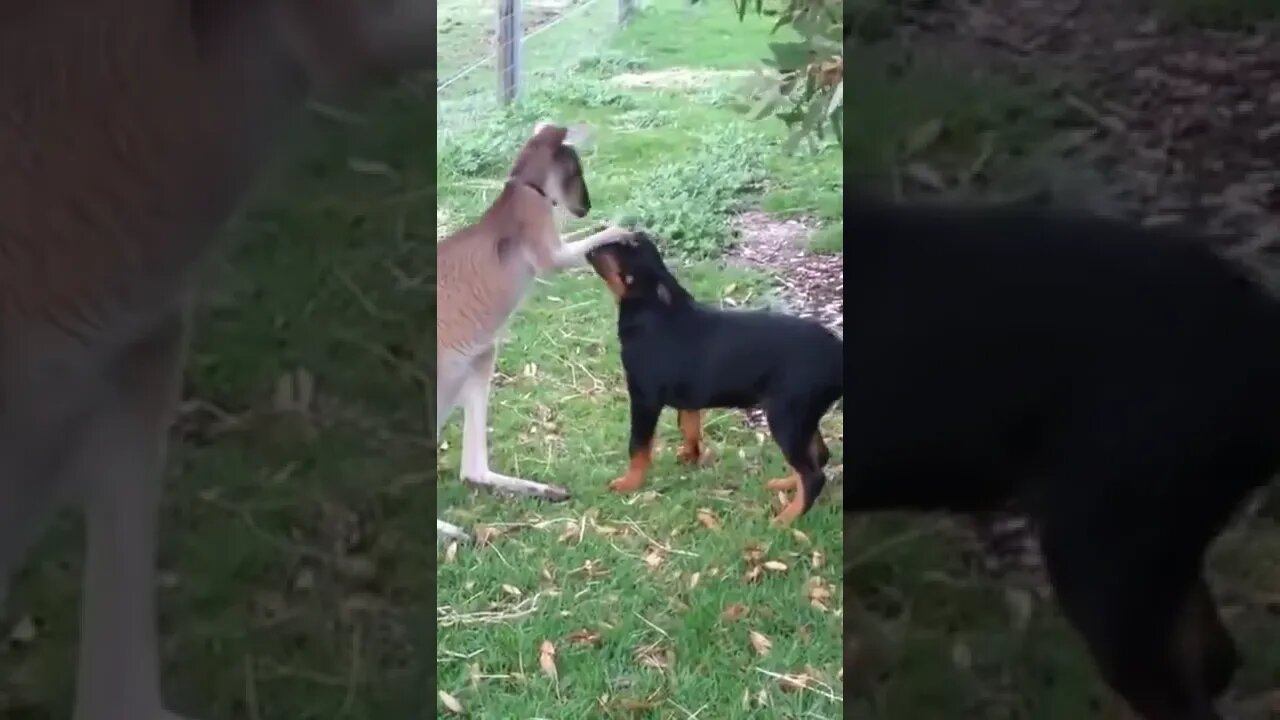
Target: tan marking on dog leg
690 421
786 483
634 477
795 508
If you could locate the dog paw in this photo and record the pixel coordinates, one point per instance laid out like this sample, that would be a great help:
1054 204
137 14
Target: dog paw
699 456
626 484
788 514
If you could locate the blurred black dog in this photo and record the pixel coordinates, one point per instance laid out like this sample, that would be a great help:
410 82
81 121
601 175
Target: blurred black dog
1119 384
681 354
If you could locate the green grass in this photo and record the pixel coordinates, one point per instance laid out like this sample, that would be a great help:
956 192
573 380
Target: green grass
638 595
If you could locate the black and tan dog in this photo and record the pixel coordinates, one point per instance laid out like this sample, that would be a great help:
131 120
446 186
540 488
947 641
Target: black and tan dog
682 354
1120 384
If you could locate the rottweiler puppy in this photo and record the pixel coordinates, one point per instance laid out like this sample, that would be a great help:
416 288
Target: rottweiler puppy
679 353
1119 384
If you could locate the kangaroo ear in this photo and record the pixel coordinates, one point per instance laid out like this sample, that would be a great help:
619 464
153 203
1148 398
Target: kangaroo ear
579 136
552 132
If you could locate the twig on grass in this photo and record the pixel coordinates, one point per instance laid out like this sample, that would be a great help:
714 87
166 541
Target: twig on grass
447 617
353 675
809 683
664 547
251 689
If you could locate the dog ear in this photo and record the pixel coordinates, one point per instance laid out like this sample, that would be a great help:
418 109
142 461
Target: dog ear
579 136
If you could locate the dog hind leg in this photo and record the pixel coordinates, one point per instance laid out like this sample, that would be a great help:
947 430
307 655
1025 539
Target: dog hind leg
475 451
787 483
794 428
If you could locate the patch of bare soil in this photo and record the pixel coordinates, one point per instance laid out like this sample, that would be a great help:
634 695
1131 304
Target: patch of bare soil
1187 120
679 78
810 285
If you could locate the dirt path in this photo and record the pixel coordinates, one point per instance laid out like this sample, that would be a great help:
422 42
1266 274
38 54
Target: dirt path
1187 120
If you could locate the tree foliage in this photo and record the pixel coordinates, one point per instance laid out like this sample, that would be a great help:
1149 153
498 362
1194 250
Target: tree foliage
806 91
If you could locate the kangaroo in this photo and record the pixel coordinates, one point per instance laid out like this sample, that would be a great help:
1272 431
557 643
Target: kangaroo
130 130
484 271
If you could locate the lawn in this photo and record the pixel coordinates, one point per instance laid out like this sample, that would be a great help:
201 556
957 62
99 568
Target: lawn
680 600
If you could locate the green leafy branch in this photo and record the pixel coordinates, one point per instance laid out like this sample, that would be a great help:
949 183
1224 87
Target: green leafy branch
806 89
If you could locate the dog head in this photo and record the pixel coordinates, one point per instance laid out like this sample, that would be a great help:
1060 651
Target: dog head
633 269
550 164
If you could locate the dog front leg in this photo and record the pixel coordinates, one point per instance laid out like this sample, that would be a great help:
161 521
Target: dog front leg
644 420
117 468
475 429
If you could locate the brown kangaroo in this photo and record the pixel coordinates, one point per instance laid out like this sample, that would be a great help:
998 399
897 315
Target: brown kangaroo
128 131
485 270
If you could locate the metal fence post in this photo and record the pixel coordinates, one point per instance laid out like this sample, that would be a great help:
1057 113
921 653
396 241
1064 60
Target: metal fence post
509 27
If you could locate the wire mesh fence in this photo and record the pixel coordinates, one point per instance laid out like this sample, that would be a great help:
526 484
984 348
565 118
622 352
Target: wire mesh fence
494 52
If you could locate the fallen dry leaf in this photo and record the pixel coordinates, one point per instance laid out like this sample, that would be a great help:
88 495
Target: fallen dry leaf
590 569
801 537
761 643
635 705
762 698
547 659
693 580
451 552
572 533
817 560
775 565
753 553
511 590
753 574
654 656
584 637
486 534
818 592
794 683
654 557
734 612
708 519
450 703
